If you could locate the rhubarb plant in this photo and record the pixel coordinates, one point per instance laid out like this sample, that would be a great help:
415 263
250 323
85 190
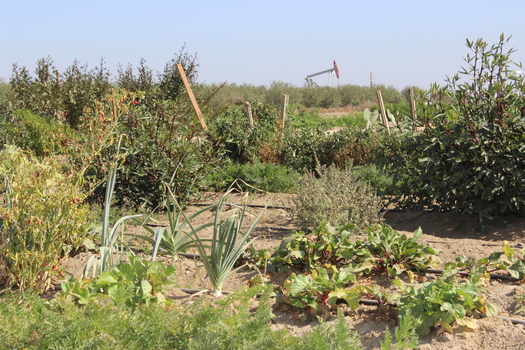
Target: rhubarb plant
321 288
388 251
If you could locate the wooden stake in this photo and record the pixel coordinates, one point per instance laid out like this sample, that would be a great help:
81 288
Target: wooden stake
193 101
283 111
382 109
412 107
248 110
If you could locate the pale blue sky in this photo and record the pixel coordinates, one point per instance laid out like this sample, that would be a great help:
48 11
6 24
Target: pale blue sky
256 42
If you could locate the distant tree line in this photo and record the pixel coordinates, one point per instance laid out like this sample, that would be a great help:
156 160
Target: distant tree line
310 97
66 95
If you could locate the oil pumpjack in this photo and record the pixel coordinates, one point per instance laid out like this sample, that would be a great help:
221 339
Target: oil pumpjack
335 70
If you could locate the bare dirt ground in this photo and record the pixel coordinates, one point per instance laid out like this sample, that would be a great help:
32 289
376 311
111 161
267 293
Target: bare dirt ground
451 234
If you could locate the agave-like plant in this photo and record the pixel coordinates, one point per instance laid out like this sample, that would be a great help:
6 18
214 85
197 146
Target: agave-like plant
227 244
174 240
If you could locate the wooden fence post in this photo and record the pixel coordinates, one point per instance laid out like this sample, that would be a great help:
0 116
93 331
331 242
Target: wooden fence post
383 112
193 101
248 110
283 111
412 107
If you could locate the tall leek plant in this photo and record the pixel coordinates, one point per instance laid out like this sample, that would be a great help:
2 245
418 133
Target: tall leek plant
227 243
109 235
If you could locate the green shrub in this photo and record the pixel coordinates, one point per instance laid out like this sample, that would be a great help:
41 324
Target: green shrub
380 179
256 176
350 146
33 133
302 147
306 149
337 197
244 143
61 97
162 143
469 157
43 219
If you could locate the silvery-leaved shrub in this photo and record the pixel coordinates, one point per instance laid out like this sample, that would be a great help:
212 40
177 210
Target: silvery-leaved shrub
337 197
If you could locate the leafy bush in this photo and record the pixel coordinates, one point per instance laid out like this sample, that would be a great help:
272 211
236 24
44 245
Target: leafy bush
302 147
306 149
469 157
244 143
161 135
350 145
161 145
43 219
379 178
163 150
337 197
61 97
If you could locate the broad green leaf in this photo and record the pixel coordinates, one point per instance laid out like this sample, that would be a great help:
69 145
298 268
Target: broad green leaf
107 277
146 288
352 299
301 283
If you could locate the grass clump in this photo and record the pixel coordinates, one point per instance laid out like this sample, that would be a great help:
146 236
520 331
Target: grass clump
256 176
337 197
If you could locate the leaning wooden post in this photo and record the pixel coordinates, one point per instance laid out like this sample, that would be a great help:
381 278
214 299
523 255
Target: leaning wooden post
283 111
191 96
412 107
383 112
248 110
